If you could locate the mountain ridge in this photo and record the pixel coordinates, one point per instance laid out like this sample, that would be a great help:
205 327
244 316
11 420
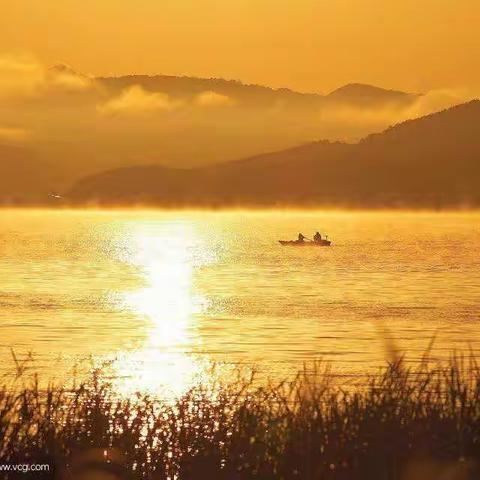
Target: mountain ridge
438 169
176 86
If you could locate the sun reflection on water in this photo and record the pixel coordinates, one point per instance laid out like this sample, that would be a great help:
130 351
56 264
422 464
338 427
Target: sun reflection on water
166 256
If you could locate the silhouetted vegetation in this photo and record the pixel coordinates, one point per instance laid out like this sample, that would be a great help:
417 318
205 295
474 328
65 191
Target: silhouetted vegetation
401 424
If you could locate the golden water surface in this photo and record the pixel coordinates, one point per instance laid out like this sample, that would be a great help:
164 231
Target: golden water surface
161 295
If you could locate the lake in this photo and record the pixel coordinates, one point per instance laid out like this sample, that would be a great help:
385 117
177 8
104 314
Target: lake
160 295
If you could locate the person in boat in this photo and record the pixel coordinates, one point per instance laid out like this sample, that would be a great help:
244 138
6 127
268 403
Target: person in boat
317 237
301 238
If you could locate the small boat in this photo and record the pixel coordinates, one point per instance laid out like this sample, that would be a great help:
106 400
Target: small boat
297 243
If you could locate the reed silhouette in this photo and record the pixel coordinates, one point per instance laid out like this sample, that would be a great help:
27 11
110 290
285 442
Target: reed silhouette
402 423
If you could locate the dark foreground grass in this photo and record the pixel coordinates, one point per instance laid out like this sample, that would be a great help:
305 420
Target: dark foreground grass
416 424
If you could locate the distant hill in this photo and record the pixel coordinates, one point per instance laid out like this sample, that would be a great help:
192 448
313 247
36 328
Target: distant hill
78 125
187 88
357 95
433 161
368 96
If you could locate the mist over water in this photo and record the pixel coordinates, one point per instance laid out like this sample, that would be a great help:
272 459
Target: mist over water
161 294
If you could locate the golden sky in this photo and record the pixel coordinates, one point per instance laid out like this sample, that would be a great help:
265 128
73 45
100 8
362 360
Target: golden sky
310 45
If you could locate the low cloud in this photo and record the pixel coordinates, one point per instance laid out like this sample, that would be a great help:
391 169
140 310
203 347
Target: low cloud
20 76
23 76
361 121
137 100
63 77
213 99
437 100
14 134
